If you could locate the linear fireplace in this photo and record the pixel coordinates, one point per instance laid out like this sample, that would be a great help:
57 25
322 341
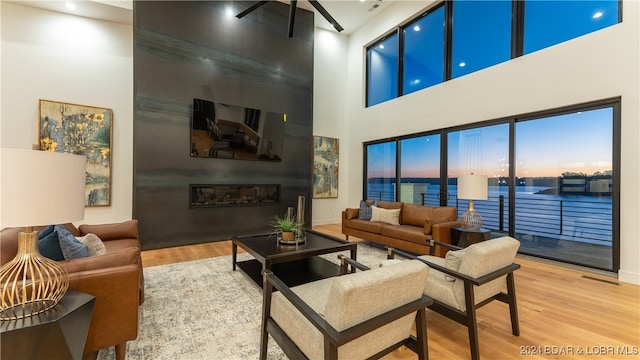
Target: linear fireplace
213 195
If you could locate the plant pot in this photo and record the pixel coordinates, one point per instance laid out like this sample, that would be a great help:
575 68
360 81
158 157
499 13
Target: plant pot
287 235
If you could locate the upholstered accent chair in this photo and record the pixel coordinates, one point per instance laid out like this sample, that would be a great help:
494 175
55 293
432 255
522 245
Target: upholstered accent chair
354 316
467 279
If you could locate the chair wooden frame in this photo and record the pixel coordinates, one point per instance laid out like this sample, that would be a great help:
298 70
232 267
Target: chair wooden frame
333 338
468 317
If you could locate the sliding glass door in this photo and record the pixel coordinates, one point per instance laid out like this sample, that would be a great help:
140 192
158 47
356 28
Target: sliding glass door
552 178
564 178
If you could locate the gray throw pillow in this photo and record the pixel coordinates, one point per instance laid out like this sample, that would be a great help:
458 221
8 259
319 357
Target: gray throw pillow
71 247
95 245
365 210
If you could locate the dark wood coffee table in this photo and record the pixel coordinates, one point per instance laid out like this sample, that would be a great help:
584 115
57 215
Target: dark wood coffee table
293 264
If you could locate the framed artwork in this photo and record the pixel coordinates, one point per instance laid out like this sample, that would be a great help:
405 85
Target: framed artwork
82 130
325 167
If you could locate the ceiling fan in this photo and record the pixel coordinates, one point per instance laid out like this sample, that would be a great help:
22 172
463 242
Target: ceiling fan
292 14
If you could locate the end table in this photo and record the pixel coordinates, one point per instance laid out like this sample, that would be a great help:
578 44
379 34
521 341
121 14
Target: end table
464 237
59 333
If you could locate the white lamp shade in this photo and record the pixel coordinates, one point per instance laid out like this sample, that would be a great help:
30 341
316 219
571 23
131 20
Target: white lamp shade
472 187
40 188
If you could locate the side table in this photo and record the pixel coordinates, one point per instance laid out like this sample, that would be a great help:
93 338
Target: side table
464 237
59 333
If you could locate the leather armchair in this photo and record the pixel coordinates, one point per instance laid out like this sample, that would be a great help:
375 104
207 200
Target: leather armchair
115 279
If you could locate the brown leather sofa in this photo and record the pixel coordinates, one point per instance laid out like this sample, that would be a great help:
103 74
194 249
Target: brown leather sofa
115 279
417 225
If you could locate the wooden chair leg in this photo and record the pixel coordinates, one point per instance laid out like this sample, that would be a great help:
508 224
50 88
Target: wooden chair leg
421 334
513 307
121 351
266 313
472 325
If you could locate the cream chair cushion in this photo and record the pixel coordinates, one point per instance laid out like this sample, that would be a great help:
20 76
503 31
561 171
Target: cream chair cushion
479 259
348 300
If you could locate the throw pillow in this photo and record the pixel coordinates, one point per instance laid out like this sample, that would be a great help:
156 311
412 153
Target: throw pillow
94 244
45 232
387 216
365 209
452 261
49 246
71 247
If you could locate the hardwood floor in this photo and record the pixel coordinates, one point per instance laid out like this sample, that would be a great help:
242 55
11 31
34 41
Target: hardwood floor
564 313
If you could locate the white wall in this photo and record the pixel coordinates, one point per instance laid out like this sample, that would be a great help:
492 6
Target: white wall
596 66
330 114
53 56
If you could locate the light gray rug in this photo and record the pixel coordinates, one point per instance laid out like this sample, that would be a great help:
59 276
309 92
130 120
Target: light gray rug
203 310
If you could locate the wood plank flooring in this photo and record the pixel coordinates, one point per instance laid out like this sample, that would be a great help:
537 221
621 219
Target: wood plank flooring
565 313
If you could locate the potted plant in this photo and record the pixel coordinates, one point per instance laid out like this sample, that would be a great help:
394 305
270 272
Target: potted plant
286 226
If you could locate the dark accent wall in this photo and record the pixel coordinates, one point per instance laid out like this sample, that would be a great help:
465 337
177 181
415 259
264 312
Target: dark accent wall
186 50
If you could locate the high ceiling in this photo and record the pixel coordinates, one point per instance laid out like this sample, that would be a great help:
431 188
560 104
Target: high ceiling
351 14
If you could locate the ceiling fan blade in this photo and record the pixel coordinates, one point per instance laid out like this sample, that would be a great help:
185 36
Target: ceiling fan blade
292 16
251 8
326 15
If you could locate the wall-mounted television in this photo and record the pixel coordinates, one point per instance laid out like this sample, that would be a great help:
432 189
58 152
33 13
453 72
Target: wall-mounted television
226 131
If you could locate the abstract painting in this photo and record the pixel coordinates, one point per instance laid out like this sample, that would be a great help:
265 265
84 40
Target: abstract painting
325 167
82 130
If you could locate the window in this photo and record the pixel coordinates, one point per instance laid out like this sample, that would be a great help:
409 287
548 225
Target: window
480 41
551 22
552 178
420 170
381 171
563 204
424 52
481 151
459 37
382 71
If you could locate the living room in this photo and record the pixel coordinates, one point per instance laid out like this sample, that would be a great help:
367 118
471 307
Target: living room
91 61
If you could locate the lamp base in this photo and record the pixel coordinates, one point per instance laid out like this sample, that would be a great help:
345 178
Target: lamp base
471 219
30 283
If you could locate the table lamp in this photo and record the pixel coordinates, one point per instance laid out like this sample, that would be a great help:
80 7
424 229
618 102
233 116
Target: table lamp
472 187
36 188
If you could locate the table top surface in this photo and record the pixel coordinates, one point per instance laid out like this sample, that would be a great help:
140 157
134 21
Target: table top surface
72 300
266 246
481 230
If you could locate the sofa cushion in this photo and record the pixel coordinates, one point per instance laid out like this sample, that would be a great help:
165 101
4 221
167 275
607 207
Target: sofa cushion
365 209
390 205
387 216
413 214
71 247
94 244
405 232
123 230
128 256
365 225
446 213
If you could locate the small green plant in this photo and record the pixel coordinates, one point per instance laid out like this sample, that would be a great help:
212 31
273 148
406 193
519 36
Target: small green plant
285 224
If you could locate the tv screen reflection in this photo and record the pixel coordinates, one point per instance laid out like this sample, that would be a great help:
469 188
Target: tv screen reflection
226 131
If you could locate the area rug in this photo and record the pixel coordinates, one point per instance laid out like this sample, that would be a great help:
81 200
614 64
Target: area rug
203 310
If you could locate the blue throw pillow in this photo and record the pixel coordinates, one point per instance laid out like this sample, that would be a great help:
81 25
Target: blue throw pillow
71 247
365 210
49 246
45 232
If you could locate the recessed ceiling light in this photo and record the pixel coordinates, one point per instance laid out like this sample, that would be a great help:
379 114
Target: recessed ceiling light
70 6
381 46
462 64
597 15
416 28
